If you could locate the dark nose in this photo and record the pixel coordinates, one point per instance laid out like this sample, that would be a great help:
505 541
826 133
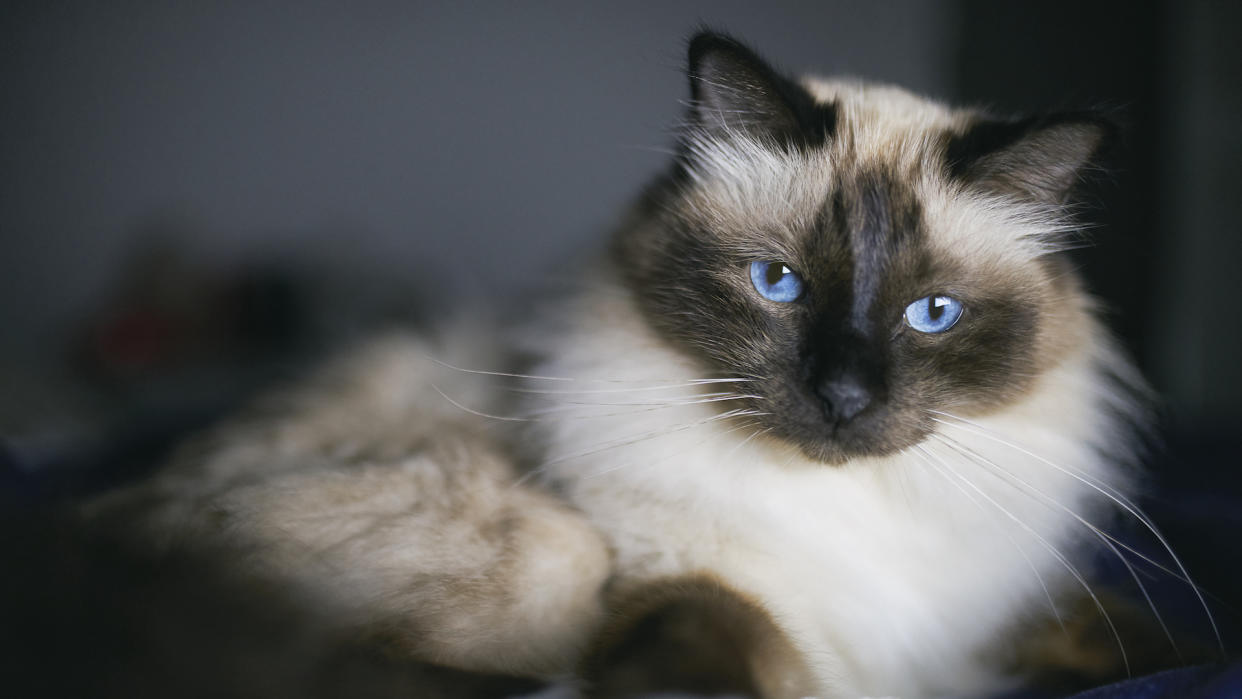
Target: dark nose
844 397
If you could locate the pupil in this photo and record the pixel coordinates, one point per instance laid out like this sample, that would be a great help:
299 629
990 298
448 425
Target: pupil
934 311
775 273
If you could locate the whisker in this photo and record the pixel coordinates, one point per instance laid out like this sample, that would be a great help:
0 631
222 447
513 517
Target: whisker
1021 551
1047 545
625 441
1047 499
672 402
556 412
1106 491
482 372
743 443
634 439
536 377
558 404
566 412
662 387
666 456
476 412
967 451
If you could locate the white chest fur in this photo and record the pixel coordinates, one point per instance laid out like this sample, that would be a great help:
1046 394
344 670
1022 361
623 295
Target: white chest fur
892 576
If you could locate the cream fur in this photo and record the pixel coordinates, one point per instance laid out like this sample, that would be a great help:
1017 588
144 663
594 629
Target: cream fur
382 503
743 184
387 511
893 576
890 579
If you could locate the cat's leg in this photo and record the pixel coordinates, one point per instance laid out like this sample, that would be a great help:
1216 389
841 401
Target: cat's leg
1089 646
693 634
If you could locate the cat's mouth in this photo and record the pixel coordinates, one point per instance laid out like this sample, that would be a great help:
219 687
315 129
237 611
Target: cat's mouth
828 435
837 450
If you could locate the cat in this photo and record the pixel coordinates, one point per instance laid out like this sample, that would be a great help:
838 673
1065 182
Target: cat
833 396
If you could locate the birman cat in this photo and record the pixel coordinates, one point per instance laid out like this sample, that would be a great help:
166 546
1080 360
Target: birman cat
833 402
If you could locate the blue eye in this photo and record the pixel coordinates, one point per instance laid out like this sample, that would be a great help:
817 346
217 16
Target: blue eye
934 314
775 282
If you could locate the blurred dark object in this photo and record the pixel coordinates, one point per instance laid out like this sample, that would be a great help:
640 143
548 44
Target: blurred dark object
169 314
172 347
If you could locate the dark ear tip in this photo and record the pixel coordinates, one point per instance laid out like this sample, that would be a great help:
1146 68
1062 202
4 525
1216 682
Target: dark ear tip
1105 128
708 41
1110 132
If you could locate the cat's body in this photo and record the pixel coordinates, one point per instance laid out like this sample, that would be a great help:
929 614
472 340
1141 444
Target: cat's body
891 503
892 575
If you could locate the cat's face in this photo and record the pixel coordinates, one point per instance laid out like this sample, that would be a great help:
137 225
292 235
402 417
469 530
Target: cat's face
865 257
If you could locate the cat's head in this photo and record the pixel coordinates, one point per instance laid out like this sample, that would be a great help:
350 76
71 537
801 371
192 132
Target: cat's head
864 255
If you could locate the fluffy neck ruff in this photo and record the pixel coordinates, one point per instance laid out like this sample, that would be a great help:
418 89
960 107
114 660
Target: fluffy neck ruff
890 575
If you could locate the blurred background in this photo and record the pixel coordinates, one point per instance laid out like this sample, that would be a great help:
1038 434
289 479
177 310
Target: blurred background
199 198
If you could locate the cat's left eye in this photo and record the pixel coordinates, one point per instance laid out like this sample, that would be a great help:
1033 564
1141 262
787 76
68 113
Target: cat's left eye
775 282
934 314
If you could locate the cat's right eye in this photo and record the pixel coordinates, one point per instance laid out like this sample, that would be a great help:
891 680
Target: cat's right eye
775 282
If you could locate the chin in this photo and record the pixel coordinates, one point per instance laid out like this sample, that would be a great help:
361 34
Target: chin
839 445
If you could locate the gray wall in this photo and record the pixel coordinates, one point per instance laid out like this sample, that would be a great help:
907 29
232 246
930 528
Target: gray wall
476 141
1196 324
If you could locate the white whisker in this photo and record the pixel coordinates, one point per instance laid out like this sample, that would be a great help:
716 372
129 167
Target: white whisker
635 439
743 443
585 411
558 412
671 402
1021 551
536 377
668 455
624 441
476 412
1047 499
661 387
1073 571
1104 490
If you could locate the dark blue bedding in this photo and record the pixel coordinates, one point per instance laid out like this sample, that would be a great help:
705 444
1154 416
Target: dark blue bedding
1202 682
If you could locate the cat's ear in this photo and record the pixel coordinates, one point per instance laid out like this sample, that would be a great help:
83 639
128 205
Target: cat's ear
734 91
1040 159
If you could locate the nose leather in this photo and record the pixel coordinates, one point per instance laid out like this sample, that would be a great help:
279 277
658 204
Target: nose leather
844 397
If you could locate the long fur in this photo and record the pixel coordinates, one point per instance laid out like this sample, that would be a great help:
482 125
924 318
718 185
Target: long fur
893 576
479 518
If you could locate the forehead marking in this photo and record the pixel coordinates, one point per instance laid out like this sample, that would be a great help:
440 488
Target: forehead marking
882 224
